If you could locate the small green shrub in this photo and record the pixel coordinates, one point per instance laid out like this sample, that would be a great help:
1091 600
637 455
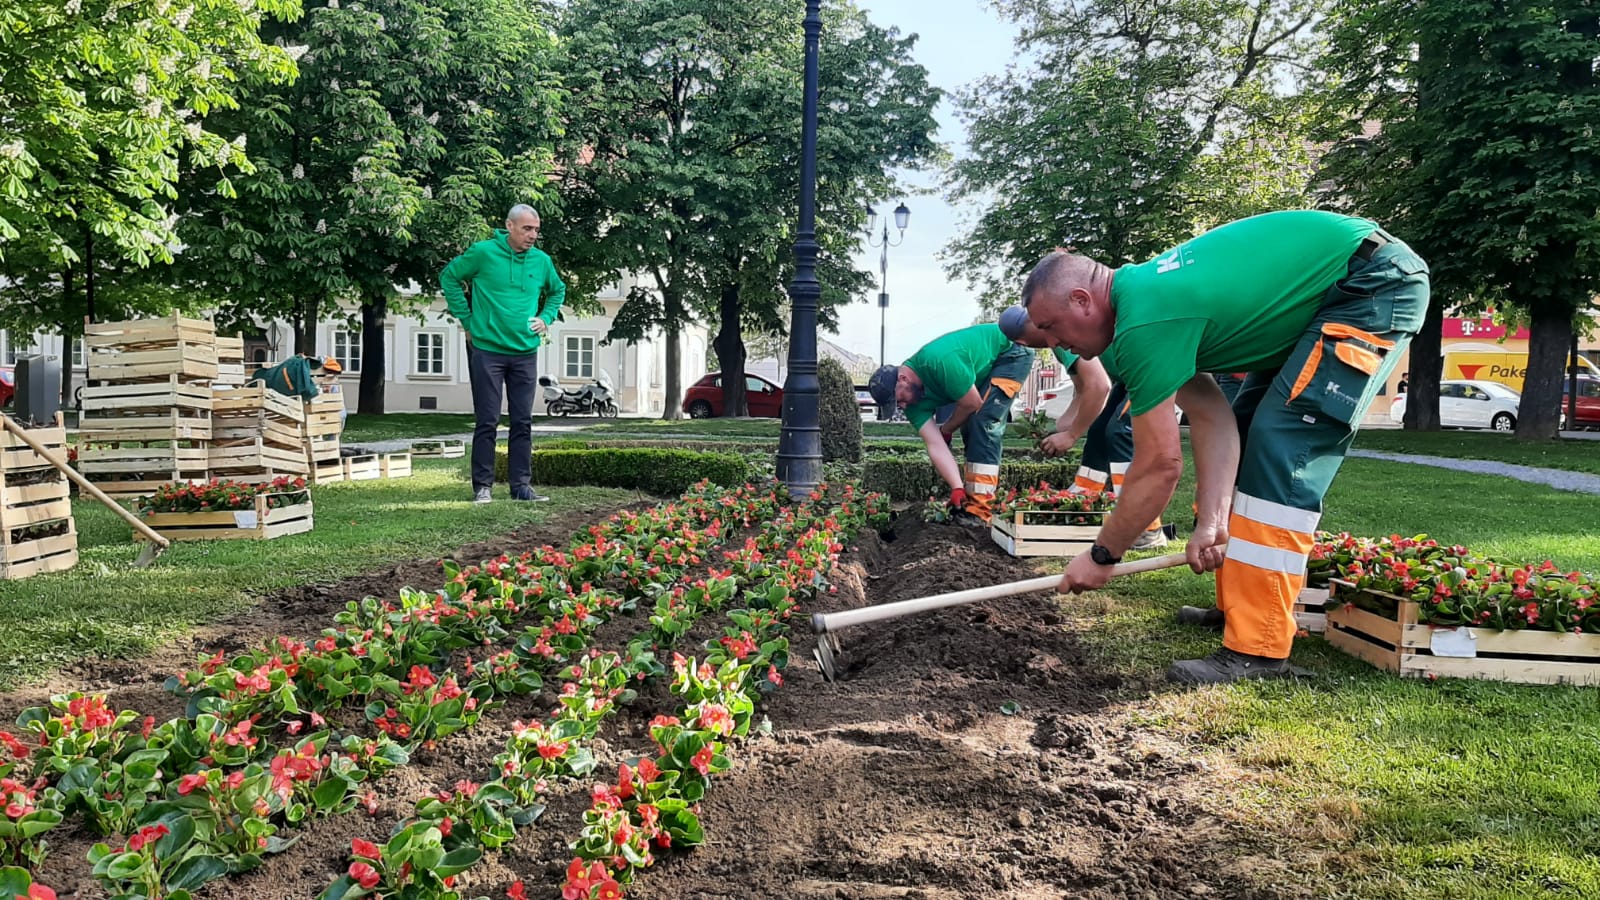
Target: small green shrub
655 471
912 477
737 446
837 412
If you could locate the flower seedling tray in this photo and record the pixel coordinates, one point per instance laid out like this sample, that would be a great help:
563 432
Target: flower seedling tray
259 523
362 468
445 449
395 465
1037 532
1412 649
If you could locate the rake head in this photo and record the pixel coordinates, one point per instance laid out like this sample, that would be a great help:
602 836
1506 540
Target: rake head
827 646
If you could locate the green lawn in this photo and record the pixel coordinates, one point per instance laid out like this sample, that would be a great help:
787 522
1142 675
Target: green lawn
104 607
1407 789
1572 455
396 426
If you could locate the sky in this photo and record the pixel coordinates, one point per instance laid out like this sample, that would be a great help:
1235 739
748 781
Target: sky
960 41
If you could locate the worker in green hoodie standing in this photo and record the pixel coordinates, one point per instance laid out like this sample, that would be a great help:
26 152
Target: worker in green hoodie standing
516 294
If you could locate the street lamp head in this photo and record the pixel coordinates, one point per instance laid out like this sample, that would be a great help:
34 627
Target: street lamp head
872 219
902 217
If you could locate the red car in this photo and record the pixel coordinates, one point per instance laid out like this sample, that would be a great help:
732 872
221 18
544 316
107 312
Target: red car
1588 403
703 400
8 385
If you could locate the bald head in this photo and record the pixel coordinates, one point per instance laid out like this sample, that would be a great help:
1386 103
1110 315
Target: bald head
1068 296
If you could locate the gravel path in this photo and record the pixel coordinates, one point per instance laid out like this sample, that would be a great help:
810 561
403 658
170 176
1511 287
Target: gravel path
1559 479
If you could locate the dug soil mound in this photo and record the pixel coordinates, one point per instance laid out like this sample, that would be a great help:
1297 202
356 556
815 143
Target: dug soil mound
904 779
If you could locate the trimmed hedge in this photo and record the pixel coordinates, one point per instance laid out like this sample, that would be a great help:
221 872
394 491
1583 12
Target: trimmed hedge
665 471
838 414
906 477
745 446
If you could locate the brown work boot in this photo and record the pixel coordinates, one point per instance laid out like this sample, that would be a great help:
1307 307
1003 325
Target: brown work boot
1225 667
1202 617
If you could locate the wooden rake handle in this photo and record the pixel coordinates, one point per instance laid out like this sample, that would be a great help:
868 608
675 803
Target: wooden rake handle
822 623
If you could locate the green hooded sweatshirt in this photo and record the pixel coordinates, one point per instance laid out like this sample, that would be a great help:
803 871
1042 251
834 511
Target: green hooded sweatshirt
508 290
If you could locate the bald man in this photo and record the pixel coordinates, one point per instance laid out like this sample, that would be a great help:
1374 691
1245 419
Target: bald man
1317 308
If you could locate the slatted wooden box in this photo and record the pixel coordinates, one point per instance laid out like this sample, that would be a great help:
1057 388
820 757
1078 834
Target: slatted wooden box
445 449
157 410
260 523
128 472
362 468
37 532
1405 646
145 349
230 360
395 465
1046 532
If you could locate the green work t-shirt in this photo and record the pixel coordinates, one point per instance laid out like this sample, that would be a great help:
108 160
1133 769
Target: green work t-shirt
1234 299
953 364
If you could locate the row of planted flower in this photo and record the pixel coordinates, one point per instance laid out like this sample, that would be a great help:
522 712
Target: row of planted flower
205 795
654 802
1454 586
1055 506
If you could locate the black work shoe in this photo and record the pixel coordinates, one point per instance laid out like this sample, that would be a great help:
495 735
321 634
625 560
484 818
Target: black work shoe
528 495
968 520
1225 667
1201 616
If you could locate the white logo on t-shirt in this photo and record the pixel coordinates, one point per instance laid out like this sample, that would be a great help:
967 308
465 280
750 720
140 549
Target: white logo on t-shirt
1168 263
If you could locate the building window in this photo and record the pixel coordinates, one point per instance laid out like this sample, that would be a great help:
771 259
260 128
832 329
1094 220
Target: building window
579 357
14 345
429 358
78 351
347 350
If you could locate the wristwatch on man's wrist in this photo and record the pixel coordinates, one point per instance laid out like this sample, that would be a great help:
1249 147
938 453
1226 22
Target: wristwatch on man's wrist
1102 556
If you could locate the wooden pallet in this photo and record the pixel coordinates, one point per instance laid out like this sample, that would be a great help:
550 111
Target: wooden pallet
258 524
1405 646
362 468
395 465
1040 532
446 449
38 556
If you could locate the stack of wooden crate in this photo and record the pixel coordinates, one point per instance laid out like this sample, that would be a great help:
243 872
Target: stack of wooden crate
322 448
146 417
230 360
257 434
37 533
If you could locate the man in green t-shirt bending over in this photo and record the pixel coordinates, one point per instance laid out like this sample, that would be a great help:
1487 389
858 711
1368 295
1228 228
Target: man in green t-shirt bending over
979 370
1317 308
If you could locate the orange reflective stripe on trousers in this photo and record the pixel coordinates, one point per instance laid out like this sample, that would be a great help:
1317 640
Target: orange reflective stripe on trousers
1264 572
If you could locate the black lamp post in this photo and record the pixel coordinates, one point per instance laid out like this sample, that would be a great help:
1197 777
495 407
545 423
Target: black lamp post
800 441
902 218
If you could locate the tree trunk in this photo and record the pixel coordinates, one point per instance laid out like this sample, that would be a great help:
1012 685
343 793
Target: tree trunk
374 366
1426 368
1549 337
66 334
729 344
305 326
674 404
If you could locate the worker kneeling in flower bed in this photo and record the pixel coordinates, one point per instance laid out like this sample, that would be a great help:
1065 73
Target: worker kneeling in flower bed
1318 308
979 369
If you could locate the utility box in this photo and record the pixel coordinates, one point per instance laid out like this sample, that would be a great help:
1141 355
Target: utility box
38 389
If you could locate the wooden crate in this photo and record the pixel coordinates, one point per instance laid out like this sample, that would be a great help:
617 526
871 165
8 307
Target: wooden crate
395 465
362 468
256 458
259 524
446 449
1041 532
230 359
152 349
37 556
17 456
1411 649
133 471
1309 612
327 471
138 334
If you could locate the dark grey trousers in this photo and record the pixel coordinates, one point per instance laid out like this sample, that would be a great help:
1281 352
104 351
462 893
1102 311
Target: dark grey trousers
518 375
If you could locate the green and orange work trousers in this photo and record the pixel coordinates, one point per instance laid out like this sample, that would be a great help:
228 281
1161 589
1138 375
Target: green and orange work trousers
1297 422
983 434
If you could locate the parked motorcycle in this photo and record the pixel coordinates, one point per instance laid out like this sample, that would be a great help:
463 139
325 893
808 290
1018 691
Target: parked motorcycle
594 398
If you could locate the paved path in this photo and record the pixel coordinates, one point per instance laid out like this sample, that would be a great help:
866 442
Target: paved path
1559 479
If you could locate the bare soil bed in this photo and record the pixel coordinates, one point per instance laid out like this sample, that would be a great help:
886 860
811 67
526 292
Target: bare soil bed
902 780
